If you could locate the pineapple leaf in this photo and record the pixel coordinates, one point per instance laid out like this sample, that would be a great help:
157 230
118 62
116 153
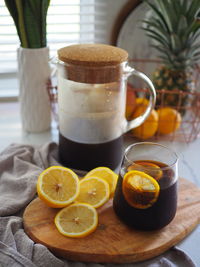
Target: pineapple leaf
182 25
154 25
175 42
175 27
193 9
193 39
161 49
156 36
196 55
180 7
191 33
158 13
168 13
158 40
165 55
194 48
184 6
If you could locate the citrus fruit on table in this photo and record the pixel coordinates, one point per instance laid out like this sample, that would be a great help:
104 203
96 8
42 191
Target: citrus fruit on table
94 191
58 186
141 101
148 167
140 189
106 174
169 120
77 220
149 127
130 100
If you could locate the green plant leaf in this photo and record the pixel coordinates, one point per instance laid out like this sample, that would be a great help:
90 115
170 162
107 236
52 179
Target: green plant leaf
189 34
175 42
178 7
182 25
193 8
157 36
12 8
184 6
22 30
35 6
154 25
32 26
44 9
158 13
168 13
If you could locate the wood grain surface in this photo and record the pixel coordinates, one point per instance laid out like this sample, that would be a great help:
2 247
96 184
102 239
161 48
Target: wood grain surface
113 241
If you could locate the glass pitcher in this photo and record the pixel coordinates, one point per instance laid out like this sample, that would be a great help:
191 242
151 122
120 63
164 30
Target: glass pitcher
92 82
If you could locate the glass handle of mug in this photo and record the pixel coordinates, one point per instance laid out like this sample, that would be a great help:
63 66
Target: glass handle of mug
152 99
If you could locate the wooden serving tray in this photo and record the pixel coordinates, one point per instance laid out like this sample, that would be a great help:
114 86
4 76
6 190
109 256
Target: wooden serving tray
113 241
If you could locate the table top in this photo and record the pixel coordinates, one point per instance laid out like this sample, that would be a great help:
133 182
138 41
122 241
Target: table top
189 165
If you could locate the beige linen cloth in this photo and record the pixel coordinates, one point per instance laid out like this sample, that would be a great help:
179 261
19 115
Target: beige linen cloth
20 166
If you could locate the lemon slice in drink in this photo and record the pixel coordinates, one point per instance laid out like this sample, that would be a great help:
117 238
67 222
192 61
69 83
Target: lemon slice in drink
148 167
106 174
77 220
140 189
94 191
58 186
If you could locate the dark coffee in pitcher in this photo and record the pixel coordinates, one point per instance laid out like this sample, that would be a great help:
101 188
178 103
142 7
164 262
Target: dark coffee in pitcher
88 156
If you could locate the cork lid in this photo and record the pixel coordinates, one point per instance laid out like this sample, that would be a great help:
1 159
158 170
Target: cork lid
92 55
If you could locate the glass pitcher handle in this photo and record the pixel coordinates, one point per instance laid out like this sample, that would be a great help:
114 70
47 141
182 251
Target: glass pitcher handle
152 100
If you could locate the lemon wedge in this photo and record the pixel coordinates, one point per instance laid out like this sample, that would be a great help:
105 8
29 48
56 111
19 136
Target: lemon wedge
140 189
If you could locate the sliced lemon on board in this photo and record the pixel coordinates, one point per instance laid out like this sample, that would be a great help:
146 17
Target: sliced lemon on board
94 191
140 189
148 167
58 186
106 174
77 220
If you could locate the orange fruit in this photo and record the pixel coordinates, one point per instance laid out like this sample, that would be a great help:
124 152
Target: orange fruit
77 220
169 120
58 186
149 127
130 101
140 101
148 167
140 189
94 191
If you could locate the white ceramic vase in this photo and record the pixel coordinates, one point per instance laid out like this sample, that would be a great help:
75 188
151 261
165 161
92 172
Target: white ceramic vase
33 75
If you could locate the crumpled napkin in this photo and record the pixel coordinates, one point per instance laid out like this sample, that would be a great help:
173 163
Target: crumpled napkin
20 166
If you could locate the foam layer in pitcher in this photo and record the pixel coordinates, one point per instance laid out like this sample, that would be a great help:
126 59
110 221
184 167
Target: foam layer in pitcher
90 113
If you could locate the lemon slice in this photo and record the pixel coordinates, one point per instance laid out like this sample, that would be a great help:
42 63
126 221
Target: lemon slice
77 220
106 174
58 186
94 191
140 189
148 167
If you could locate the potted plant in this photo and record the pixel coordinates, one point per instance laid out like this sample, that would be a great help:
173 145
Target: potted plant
33 62
174 28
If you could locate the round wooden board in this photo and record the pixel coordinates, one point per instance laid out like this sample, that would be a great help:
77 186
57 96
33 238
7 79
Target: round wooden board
113 241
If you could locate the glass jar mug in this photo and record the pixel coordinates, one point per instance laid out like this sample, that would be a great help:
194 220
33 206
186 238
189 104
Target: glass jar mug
92 82
146 192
